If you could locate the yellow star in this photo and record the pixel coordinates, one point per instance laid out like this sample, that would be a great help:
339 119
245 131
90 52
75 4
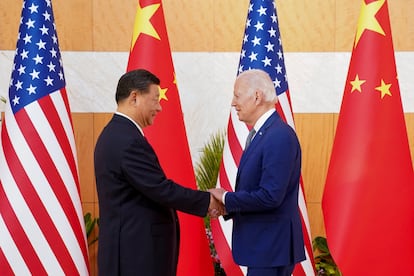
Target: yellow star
356 84
163 94
367 20
142 23
384 89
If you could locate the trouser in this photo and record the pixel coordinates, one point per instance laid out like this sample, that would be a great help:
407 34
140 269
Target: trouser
270 271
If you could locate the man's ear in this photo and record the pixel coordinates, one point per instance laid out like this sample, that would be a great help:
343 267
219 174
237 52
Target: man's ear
133 97
258 94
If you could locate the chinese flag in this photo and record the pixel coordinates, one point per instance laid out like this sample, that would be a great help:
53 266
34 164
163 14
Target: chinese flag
368 199
150 49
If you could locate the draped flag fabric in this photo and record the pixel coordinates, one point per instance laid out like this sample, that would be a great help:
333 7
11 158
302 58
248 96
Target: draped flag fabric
150 49
41 221
261 49
368 198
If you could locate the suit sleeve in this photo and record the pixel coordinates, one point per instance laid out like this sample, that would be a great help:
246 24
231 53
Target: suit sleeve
141 168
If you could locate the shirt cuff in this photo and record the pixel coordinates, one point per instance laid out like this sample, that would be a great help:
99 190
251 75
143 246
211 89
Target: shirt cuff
224 198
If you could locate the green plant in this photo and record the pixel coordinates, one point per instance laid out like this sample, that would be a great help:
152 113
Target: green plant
324 263
90 225
207 169
206 172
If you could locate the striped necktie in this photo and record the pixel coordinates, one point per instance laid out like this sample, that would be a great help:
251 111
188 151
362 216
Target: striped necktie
249 138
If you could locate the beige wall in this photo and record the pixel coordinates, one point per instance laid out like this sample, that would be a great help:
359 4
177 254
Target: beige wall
215 26
209 25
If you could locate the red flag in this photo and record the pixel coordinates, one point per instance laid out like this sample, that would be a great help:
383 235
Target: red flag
41 221
150 49
369 191
261 49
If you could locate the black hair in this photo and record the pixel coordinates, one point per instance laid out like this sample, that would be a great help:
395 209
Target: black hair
136 80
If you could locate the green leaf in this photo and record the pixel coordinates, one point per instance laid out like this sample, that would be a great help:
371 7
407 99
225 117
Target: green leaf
207 169
323 259
320 244
89 226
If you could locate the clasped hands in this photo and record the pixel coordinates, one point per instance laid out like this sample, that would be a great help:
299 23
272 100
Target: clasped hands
216 207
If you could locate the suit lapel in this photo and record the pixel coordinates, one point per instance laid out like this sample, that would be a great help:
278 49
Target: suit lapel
256 141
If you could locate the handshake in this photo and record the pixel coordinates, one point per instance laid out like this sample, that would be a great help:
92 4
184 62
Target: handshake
216 207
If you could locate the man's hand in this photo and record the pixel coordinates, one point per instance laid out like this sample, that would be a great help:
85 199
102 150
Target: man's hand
218 194
216 208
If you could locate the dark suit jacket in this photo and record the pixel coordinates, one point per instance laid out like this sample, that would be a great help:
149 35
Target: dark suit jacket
267 228
138 224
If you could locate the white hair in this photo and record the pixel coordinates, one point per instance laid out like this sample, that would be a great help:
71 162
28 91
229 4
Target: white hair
260 80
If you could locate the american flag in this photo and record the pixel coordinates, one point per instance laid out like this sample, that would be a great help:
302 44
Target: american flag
261 49
41 221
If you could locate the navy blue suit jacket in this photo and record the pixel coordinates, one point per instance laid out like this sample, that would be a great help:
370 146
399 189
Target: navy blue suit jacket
138 226
267 228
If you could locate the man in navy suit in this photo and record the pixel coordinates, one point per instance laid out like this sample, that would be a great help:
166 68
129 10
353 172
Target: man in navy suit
267 231
138 225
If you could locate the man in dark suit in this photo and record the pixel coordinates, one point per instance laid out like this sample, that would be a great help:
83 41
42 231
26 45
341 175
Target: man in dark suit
267 231
138 226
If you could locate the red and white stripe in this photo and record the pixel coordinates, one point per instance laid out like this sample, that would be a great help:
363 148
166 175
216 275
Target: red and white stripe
41 221
237 132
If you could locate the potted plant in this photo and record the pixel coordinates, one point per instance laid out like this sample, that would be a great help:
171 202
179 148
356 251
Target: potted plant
206 172
324 263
